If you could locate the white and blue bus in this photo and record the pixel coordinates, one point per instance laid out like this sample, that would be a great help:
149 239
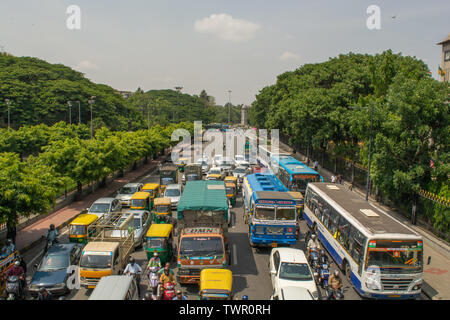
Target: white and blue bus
379 255
265 156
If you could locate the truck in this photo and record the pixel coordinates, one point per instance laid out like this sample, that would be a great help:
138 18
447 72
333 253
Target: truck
109 246
192 172
202 229
168 174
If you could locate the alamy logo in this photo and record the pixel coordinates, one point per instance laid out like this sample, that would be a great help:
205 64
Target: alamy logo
73 281
374 20
73 22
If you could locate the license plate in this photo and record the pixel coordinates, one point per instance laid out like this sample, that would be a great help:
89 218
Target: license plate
274 244
394 296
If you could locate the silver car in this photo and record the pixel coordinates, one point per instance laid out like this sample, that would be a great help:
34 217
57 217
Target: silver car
204 163
141 223
126 192
173 191
105 206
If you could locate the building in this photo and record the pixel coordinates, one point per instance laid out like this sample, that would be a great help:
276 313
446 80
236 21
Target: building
244 116
445 64
125 94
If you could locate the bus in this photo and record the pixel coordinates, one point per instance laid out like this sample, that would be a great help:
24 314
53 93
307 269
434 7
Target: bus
265 156
269 211
380 256
294 174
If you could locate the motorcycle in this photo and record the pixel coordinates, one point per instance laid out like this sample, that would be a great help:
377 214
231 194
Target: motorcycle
14 288
169 291
335 294
324 274
49 244
153 277
314 259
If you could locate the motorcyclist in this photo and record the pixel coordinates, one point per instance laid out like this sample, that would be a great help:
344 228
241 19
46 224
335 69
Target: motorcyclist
52 234
18 271
180 296
7 249
323 257
148 296
44 294
167 265
135 270
167 276
154 261
335 281
313 244
244 297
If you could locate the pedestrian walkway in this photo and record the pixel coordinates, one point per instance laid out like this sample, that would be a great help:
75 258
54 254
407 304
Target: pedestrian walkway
437 274
31 234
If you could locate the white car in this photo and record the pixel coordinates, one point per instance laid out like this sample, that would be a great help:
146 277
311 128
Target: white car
126 192
239 160
240 173
292 293
216 159
226 164
204 163
173 191
289 267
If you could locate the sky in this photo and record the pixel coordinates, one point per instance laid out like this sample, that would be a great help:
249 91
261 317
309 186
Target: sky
237 45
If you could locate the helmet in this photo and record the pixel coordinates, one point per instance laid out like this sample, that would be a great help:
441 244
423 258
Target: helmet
322 252
52 226
244 297
155 254
131 260
41 289
313 236
179 292
148 296
17 263
9 241
336 273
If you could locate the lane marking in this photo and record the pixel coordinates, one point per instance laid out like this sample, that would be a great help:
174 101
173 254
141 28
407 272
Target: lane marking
234 255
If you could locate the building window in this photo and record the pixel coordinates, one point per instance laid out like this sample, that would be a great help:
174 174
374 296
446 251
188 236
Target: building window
447 55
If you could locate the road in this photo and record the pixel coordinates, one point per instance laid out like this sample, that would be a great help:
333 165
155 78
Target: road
249 265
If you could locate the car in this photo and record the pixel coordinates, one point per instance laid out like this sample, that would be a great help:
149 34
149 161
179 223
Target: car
205 164
239 160
52 272
105 206
216 170
240 173
216 159
141 223
226 164
289 267
292 293
126 192
173 191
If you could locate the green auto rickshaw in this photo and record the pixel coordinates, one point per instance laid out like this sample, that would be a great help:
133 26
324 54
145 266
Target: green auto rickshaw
162 210
160 239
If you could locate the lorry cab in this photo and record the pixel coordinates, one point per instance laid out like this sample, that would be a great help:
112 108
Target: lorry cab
78 228
168 175
99 259
216 284
141 201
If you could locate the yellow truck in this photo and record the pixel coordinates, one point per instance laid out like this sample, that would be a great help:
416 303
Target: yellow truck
107 252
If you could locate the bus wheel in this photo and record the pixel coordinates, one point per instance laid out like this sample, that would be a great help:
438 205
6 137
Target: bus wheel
348 271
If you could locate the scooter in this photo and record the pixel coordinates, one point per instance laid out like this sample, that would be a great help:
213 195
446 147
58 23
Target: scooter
335 294
14 288
169 291
153 277
324 274
314 259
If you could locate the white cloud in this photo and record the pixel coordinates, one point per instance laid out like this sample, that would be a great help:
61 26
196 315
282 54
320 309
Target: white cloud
288 55
86 65
226 27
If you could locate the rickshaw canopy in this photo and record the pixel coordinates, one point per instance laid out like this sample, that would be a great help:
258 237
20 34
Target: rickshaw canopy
230 179
159 230
162 202
216 279
84 219
140 196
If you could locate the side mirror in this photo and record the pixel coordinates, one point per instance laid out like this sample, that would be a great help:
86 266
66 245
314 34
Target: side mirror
429 260
273 272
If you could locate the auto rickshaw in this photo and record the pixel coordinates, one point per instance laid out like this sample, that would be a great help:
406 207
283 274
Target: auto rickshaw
168 175
182 162
159 239
231 192
78 228
232 179
216 284
141 201
162 209
214 177
154 190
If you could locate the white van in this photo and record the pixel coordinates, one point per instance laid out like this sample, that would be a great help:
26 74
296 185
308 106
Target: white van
115 288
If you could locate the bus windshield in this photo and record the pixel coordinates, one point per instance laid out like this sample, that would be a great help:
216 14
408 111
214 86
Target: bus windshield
263 213
300 184
286 214
395 256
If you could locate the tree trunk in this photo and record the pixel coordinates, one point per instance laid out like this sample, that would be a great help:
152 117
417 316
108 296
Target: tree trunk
79 188
103 183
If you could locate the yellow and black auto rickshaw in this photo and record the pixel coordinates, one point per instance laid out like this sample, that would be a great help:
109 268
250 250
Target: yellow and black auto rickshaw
154 190
78 228
216 284
141 201
162 209
159 239
231 192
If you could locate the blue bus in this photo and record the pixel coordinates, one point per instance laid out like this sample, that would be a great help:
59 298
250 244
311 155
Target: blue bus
269 210
294 174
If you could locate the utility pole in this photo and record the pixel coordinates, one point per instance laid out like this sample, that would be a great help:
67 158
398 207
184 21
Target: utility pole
70 111
8 103
178 88
91 102
229 106
148 115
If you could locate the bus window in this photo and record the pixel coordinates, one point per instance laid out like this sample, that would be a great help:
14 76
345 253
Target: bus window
326 217
333 223
343 232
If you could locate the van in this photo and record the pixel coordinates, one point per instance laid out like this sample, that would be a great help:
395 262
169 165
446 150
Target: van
115 288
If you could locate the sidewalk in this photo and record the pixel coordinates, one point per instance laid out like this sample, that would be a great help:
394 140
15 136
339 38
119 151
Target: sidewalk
436 275
30 235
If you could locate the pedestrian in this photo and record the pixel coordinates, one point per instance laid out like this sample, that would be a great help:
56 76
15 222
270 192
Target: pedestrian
339 179
333 179
11 233
316 165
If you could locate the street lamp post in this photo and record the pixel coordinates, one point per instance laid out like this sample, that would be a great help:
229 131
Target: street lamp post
8 103
79 112
70 111
91 102
229 106
370 154
148 116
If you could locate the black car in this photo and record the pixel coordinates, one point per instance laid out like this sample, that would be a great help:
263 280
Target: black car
51 272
